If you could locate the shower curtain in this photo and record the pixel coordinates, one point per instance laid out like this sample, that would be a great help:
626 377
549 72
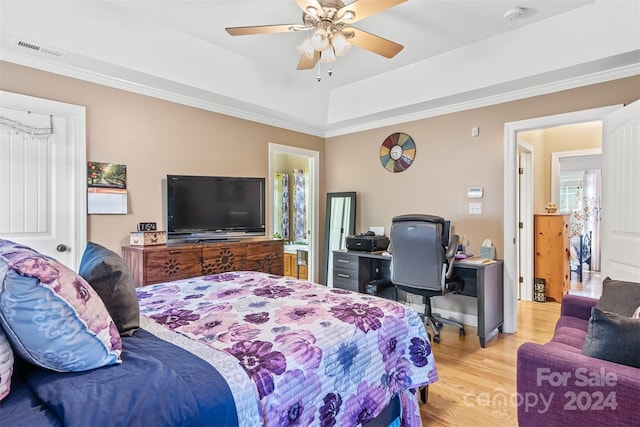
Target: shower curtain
281 200
299 205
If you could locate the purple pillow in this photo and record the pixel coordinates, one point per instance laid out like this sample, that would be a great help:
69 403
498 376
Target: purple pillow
51 315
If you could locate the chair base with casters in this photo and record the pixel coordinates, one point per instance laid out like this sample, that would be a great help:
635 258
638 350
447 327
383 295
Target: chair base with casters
434 320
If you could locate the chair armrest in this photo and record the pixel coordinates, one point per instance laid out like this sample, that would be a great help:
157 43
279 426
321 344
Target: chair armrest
577 306
450 254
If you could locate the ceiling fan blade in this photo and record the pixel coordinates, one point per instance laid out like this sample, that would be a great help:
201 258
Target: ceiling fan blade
313 3
261 29
373 43
307 63
365 8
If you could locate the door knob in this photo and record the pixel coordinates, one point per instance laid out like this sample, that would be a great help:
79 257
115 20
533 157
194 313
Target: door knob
61 247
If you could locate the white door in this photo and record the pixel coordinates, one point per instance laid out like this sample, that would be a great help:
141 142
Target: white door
525 219
42 184
621 194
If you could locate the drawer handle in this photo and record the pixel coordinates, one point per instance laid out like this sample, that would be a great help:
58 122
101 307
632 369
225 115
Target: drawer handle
175 252
346 261
346 276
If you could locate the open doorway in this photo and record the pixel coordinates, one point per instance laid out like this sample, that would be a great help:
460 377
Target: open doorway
512 241
576 184
293 192
566 172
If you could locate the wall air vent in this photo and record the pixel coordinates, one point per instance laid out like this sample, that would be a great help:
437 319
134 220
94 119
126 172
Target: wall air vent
40 49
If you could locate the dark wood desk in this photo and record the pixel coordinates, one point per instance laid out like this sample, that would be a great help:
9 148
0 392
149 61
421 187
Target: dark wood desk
353 270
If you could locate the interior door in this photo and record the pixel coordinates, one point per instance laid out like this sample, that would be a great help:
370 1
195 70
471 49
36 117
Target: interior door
43 204
620 190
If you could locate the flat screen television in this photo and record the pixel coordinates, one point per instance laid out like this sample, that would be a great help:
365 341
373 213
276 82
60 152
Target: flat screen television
203 208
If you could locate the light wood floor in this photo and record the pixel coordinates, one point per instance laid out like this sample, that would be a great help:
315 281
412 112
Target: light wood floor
590 286
471 376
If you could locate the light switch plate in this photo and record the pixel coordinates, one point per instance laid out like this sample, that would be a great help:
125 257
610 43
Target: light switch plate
475 208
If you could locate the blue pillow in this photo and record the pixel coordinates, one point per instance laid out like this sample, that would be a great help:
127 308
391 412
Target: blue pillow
52 316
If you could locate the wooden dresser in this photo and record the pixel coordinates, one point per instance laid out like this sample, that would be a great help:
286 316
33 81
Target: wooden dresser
551 248
163 263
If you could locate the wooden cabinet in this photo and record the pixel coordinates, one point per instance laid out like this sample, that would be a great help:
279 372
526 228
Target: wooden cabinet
551 248
291 267
163 263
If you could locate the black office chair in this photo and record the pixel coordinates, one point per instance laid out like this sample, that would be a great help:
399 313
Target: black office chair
423 265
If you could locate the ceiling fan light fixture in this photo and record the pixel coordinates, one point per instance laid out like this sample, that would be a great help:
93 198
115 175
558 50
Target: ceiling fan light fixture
331 35
340 44
320 39
327 55
306 48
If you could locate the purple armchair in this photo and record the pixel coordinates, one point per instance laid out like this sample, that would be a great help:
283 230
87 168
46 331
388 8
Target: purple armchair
559 386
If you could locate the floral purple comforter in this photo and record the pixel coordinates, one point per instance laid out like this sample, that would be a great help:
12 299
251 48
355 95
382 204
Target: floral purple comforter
317 356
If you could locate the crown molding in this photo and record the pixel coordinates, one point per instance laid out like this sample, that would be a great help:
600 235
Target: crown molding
485 101
433 109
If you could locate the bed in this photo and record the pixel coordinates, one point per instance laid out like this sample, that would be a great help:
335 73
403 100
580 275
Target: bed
239 348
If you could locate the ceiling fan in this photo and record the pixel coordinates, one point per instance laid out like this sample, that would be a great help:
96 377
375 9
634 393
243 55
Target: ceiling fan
330 21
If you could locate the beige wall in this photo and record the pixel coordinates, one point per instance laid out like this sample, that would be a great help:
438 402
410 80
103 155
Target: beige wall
449 161
154 138
581 136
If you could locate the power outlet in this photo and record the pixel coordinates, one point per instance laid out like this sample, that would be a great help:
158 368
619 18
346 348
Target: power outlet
475 208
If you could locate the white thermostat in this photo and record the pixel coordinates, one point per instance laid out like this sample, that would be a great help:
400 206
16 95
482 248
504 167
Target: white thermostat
475 192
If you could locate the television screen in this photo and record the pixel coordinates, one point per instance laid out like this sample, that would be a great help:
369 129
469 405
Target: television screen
201 207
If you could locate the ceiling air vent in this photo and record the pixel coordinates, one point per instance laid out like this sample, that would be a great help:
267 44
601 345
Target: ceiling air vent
40 49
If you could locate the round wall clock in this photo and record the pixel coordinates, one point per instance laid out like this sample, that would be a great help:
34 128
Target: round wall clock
397 152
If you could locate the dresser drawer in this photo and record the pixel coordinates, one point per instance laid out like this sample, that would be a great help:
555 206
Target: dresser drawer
172 265
342 282
266 256
224 258
345 271
345 263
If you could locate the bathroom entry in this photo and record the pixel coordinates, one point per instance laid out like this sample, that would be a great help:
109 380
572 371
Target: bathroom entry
292 214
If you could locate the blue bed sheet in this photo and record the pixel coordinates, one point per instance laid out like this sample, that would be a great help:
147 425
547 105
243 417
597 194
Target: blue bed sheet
158 384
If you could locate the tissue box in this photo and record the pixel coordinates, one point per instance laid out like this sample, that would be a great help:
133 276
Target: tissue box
488 252
146 238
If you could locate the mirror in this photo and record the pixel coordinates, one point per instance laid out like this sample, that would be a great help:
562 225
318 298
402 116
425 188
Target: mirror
340 222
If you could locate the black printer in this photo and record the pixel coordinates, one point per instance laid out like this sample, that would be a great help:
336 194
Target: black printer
367 242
